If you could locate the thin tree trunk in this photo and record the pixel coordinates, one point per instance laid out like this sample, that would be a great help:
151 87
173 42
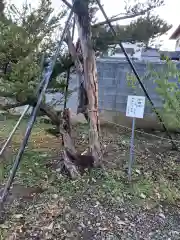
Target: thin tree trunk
90 75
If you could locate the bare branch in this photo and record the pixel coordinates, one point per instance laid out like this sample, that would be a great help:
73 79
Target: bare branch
6 94
115 18
124 17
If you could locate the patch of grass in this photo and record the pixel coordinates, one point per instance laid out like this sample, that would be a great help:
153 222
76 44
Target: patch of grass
32 169
2 235
7 125
70 189
104 187
142 188
39 139
169 191
111 186
112 189
98 185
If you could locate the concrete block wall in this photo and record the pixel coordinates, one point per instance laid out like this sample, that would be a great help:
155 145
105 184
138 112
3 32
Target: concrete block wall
114 88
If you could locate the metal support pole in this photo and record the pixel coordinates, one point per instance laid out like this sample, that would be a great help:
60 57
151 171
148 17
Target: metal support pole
131 158
13 131
46 79
137 75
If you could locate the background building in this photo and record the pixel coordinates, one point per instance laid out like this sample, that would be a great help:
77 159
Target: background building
176 36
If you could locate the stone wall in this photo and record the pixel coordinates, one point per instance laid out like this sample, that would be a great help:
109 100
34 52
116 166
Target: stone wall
114 89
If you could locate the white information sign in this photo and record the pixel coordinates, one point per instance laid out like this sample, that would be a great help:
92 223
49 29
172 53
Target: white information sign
135 106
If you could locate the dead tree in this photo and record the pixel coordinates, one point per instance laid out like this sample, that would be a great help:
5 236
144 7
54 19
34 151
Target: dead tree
70 166
73 162
82 19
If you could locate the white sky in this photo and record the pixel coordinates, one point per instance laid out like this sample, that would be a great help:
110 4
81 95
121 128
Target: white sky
170 13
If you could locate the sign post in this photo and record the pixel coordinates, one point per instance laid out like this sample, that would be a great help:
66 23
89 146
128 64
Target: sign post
135 109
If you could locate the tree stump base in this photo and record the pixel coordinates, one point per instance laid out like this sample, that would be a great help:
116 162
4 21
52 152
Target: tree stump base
75 166
73 163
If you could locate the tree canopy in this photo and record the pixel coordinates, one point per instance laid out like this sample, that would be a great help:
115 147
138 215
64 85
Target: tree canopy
26 34
144 27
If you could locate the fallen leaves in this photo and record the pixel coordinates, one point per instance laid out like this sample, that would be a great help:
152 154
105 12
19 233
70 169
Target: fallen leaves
105 207
142 195
18 216
4 226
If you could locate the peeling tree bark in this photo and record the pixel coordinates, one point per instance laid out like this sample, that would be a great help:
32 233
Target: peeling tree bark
83 100
68 146
90 76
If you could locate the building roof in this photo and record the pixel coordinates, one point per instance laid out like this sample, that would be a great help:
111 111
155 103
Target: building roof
175 33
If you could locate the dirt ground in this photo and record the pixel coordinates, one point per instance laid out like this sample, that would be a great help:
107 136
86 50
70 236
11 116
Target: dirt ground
101 205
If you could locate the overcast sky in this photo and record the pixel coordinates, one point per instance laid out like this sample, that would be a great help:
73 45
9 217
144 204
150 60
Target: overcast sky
170 12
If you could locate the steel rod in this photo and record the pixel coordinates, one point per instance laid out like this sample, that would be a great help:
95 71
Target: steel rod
131 150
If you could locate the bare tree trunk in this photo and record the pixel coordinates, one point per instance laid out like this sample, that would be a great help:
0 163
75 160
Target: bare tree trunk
90 76
83 100
68 146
